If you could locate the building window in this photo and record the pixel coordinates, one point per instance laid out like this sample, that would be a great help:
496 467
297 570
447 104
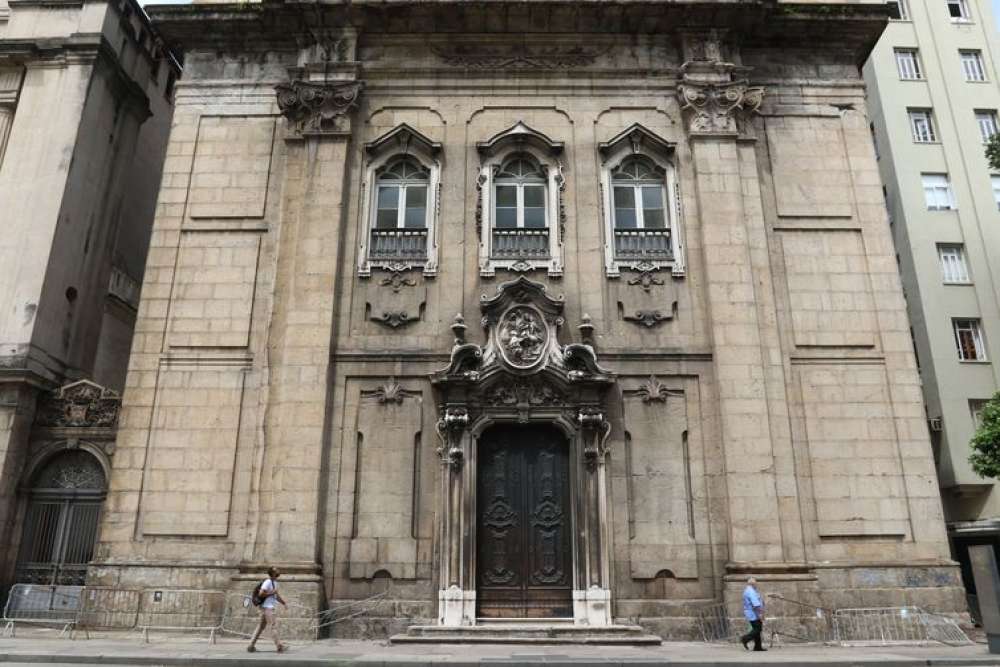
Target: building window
937 192
899 10
995 180
972 65
953 266
959 10
399 230
908 64
976 407
922 126
986 119
640 203
520 189
969 340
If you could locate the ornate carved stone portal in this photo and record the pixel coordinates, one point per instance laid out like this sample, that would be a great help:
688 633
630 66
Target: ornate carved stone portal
523 377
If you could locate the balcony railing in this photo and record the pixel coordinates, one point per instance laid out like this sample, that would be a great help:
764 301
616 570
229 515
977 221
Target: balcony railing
398 244
520 244
651 244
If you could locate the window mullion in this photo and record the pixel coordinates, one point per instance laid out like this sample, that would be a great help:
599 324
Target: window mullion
400 210
520 205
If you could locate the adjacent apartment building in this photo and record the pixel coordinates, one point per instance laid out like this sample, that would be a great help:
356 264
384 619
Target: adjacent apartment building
934 101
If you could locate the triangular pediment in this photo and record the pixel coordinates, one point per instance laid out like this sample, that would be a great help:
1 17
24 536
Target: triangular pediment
516 137
403 140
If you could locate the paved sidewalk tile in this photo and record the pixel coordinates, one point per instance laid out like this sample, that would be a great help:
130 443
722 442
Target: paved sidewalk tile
35 646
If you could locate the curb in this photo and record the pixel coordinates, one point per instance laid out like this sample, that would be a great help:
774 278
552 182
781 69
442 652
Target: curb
411 661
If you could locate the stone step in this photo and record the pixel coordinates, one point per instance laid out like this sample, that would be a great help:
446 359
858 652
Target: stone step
508 632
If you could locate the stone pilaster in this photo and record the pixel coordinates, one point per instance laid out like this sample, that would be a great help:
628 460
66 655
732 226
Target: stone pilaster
712 100
318 134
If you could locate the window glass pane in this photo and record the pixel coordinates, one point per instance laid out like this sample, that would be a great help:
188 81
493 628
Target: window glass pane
534 195
416 207
652 197
387 215
507 196
625 218
652 218
625 197
534 217
996 189
506 218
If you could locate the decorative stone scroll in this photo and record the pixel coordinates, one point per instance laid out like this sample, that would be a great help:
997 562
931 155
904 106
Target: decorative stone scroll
318 108
79 404
517 56
713 106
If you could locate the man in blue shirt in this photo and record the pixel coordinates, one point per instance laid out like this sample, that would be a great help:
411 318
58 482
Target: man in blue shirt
753 609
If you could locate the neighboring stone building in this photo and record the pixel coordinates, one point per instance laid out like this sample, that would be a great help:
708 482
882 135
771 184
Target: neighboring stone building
525 309
84 117
934 99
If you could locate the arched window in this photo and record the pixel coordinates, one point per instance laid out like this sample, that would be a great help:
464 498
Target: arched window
520 195
639 196
399 220
520 184
61 522
402 196
642 230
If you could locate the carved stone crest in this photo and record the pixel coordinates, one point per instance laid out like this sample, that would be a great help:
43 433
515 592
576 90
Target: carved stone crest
517 392
653 391
79 404
517 56
317 108
390 392
522 335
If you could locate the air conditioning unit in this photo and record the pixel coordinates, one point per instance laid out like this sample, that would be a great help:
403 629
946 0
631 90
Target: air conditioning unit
934 424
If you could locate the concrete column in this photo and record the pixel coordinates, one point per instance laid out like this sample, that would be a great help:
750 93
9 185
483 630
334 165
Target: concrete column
712 99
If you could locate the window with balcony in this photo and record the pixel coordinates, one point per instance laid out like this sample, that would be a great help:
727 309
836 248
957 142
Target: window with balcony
520 200
908 64
640 203
969 340
959 11
922 126
399 218
972 65
953 267
986 119
937 192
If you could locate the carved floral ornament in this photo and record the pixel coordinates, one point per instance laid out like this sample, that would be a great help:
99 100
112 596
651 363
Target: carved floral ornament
713 106
317 108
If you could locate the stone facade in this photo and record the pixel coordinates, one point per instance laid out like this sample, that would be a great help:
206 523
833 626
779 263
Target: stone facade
84 116
738 396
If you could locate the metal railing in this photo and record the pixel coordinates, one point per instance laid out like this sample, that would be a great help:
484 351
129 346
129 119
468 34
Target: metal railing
714 625
649 244
43 605
895 625
398 244
520 244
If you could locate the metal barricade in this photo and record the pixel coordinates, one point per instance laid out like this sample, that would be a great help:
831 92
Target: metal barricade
812 624
351 609
294 620
181 610
714 625
107 608
894 625
43 605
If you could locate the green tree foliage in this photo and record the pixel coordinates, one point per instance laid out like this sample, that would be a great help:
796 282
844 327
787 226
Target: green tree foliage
985 457
993 151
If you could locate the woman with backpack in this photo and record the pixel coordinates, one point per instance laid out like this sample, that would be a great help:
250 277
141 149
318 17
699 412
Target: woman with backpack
264 597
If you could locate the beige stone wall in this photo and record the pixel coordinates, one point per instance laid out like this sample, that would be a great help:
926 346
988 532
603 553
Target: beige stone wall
780 429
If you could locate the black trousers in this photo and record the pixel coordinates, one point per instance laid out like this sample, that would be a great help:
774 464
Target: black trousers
756 628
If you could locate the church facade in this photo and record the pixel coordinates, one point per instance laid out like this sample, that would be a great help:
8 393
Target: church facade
565 311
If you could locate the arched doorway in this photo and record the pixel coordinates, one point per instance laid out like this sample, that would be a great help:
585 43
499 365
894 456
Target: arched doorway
524 532
61 520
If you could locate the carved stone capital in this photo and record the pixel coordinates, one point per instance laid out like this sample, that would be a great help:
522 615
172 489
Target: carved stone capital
713 106
318 108
450 428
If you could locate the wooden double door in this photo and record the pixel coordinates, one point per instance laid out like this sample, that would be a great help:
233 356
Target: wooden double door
524 532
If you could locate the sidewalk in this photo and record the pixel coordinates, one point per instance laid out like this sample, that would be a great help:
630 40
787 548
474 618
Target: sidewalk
34 646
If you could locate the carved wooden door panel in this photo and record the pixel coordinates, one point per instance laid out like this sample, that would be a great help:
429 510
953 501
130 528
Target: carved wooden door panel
524 554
